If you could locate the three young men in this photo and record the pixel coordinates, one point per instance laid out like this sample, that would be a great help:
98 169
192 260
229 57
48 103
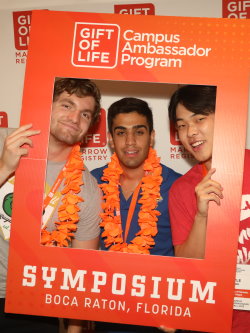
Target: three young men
76 106
192 111
136 188
134 166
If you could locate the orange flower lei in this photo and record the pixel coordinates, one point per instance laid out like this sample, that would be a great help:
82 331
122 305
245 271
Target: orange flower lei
68 211
148 215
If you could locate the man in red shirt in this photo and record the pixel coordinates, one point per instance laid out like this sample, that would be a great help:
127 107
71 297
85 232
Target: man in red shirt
192 111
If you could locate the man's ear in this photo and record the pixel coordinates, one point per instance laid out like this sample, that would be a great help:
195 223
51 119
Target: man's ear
152 138
110 141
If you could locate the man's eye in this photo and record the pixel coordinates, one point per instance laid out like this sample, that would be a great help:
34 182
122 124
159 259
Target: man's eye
120 133
140 132
66 106
200 119
180 126
86 115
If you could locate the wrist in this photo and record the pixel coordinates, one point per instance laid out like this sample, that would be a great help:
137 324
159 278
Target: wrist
201 215
4 171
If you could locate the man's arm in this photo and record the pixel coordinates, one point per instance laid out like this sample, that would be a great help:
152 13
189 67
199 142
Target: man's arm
92 244
194 246
75 325
13 150
91 215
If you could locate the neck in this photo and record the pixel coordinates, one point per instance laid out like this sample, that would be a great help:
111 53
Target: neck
208 164
132 174
58 151
130 179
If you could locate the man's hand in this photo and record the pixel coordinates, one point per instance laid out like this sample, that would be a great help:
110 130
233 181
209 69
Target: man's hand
13 150
207 190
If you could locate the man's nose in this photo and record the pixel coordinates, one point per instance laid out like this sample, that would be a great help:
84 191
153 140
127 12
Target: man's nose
192 130
75 116
130 138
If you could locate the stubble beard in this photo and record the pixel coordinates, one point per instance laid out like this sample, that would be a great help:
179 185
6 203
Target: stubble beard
65 138
134 163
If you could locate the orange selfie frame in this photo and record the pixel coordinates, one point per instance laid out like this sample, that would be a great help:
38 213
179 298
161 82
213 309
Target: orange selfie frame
130 288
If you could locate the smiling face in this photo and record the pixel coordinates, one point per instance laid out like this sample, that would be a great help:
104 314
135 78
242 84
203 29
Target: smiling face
71 117
131 139
196 133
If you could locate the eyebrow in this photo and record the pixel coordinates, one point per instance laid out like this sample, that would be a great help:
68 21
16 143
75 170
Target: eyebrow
134 127
67 100
193 115
64 100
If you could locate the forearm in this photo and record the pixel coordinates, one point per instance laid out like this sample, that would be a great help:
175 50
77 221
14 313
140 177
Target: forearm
4 173
92 244
13 150
194 246
75 326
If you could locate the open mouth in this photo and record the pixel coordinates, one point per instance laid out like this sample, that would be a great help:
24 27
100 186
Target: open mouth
196 145
131 152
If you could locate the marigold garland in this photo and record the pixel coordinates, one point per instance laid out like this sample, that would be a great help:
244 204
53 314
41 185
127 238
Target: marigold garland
148 215
68 211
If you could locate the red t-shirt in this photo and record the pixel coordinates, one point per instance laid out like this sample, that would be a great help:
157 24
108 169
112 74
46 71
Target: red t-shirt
182 209
182 204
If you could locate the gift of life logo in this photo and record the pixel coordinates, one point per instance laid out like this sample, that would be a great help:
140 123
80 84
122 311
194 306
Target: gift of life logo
22 22
174 139
176 149
236 9
3 119
96 136
135 9
95 45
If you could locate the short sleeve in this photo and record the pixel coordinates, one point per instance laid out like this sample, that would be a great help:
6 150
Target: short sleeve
182 209
88 225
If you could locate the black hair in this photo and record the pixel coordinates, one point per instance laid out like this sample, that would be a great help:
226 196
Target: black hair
198 99
127 105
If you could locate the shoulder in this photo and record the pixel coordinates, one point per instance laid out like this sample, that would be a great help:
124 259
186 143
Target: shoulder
169 175
90 182
189 180
247 157
98 173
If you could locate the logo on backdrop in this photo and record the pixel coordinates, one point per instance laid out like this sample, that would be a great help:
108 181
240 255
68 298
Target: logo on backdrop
135 9
244 236
22 22
95 140
3 119
95 45
174 139
6 198
236 9
177 151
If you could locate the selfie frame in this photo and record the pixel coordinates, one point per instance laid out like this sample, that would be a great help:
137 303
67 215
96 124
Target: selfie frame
130 288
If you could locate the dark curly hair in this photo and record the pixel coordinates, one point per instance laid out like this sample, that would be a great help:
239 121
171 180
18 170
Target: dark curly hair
80 87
